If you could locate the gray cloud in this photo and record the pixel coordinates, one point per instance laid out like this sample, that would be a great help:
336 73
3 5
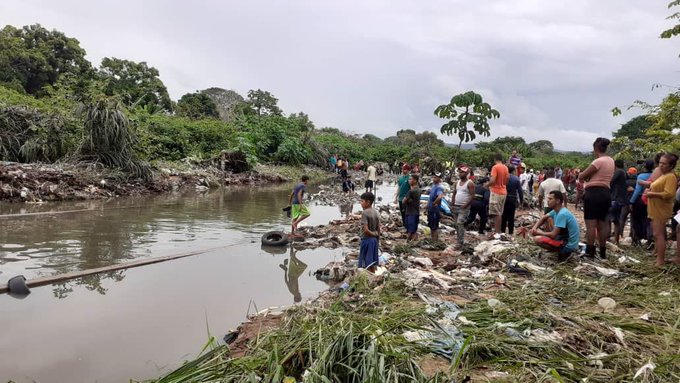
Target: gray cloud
553 69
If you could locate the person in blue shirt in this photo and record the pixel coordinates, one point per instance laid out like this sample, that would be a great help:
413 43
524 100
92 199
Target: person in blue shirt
433 203
563 237
639 221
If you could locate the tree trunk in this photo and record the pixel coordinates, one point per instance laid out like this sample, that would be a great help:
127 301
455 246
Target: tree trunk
455 157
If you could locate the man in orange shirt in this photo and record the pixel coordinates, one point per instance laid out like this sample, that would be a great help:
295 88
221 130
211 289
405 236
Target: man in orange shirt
499 178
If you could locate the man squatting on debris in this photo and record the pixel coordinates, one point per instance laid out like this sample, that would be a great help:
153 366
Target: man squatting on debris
563 236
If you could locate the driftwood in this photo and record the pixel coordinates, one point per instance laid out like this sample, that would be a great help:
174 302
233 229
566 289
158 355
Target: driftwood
128 265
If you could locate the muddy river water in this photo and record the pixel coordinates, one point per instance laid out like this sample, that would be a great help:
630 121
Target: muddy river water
139 323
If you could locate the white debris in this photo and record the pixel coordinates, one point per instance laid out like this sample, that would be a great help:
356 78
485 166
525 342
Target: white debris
607 304
413 336
542 336
596 359
417 277
492 302
480 273
645 317
606 272
531 267
665 294
618 333
627 259
423 261
644 370
465 321
487 249
628 241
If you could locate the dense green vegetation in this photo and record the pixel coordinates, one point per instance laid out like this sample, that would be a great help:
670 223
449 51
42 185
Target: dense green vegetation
55 106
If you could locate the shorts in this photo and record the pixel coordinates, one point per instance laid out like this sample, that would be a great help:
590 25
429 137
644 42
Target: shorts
554 245
496 204
343 173
368 252
412 223
615 211
298 211
368 184
433 217
596 203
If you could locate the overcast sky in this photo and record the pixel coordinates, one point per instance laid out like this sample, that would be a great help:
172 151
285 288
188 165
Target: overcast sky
553 69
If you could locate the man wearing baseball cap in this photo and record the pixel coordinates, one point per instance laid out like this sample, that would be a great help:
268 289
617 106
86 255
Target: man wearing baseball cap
433 203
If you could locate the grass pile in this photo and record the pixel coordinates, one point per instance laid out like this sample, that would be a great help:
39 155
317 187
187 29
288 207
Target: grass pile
583 341
356 338
547 328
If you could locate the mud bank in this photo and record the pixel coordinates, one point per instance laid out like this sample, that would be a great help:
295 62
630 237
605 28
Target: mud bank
35 183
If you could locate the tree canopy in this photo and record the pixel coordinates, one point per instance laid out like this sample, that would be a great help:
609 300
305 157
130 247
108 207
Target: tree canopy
33 57
634 128
263 103
197 105
136 83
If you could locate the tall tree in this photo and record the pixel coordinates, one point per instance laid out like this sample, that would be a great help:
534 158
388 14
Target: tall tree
468 116
542 146
263 103
33 57
197 105
136 83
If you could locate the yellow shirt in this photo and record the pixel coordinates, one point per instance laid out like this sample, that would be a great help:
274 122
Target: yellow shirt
662 207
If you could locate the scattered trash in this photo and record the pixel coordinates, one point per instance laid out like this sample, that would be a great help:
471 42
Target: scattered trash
465 321
644 370
627 259
419 278
618 333
665 294
594 270
607 304
645 317
492 302
596 359
542 336
487 249
422 261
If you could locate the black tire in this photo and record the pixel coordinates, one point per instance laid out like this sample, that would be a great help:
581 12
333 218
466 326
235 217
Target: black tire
275 238
17 285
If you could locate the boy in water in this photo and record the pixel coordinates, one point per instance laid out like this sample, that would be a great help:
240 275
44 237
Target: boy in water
299 211
370 232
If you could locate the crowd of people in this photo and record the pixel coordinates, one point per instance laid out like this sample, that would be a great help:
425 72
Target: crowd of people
607 193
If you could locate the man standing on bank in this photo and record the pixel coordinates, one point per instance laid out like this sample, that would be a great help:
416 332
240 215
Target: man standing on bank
499 178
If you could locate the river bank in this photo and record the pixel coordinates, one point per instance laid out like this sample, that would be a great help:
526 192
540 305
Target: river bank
495 310
35 182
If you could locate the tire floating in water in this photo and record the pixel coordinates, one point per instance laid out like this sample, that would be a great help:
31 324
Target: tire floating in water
275 238
17 285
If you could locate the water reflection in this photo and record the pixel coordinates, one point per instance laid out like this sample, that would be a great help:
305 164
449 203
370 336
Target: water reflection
292 270
94 282
96 235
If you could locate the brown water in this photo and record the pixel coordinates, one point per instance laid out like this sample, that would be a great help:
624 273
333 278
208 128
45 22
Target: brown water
140 323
